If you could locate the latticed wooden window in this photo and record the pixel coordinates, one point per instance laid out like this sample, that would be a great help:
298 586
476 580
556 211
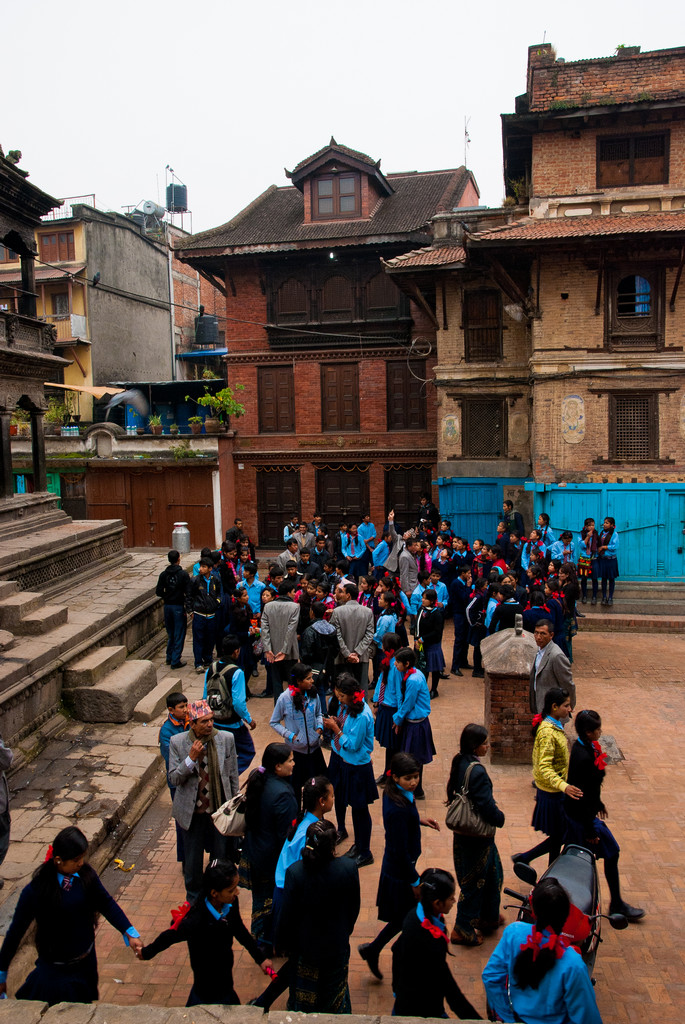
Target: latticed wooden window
292 302
337 298
482 325
634 307
632 160
483 429
634 427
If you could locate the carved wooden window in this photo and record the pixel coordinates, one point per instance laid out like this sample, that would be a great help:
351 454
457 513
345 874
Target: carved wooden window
483 429
634 427
634 307
339 397
382 297
483 325
336 196
291 302
632 160
337 299
406 395
275 391
56 247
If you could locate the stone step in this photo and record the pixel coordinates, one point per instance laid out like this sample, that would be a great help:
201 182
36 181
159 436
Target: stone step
18 605
43 620
93 667
114 698
154 702
634 606
6 640
29 527
615 622
8 588
41 559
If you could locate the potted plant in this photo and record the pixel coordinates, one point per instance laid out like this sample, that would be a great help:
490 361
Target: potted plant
54 415
20 422
173 428
155 424
195 423
221 406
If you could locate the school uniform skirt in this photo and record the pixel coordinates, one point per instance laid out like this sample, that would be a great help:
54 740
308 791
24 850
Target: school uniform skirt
606 848
384 728
395 898
74 982
417 739
607 568
435 659
354 784
548 814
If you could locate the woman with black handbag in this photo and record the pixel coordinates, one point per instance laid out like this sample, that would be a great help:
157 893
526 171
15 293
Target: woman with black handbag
476 861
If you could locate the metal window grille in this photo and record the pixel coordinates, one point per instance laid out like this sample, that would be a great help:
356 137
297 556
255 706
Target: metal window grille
633 434
484 430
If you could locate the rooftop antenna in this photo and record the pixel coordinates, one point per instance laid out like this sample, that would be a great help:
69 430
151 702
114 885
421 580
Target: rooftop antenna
544 36
467 140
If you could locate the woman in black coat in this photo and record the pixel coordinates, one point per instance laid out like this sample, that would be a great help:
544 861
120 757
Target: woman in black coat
476 859
585 817
271 806
209 927
421 978
321 902
430 623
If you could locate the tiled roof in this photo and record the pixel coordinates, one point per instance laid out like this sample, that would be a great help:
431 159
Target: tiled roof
534 228
277 216
432 256
12 275
343 150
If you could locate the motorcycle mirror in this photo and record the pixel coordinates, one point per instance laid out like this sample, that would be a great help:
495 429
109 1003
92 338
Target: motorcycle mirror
618 921
525 872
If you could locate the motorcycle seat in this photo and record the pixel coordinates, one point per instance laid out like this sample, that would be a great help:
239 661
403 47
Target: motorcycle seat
575 870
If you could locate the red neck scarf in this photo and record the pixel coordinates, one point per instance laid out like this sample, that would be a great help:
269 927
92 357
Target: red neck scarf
536 941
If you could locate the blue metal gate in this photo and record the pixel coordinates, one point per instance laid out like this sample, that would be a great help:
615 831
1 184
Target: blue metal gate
474 506
650 519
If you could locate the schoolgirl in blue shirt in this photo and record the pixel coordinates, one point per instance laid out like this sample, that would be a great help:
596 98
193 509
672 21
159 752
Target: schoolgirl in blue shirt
410 721
547 536
534 542
564 548
386 699
399 878
63 897
353 549
366 586
588 544
350 768
607 560
386 623
418 592
429 628
440 589
298 719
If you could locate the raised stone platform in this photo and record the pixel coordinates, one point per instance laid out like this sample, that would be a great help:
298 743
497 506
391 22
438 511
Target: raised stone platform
15 1012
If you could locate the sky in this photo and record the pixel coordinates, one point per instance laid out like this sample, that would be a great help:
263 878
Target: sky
101 99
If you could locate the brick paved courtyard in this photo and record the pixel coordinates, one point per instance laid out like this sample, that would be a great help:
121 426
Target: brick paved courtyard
635 682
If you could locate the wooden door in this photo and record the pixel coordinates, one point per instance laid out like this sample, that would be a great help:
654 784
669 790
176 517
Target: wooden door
342 495
108 496
278 496
403 490
189 498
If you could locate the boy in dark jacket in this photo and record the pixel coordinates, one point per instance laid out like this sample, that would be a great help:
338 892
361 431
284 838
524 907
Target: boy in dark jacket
203 601
172 587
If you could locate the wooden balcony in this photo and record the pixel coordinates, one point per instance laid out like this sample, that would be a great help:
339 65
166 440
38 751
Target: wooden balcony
69 326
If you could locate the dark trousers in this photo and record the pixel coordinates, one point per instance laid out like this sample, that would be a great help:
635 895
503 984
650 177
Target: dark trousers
460 651
175 623
203 639
201 836
244 747
4 834
361 825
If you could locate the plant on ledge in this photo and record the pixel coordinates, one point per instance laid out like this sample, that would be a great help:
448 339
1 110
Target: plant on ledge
222 405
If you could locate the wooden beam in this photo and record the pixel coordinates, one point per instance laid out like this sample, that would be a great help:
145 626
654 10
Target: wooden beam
213 281
413 290
676 283
508 285
600 273
444 305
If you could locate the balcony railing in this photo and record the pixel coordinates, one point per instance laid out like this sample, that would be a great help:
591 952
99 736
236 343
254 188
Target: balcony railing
64 212
69 326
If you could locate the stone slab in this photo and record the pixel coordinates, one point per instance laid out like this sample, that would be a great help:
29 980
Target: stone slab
16 606
94 666
155 701
22 1011
71 1013
43 620
113 698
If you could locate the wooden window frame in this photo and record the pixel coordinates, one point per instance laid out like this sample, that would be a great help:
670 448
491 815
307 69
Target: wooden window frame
337 213
621 335
5 257
467 407
652 420
469 357
69 252
338 428
282 425
402 422
666 135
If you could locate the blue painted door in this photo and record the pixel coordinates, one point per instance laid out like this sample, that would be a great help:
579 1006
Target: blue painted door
673 556
636 511
568 509
474 508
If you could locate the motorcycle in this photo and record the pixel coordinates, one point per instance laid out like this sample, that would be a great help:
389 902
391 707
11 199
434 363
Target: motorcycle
576 870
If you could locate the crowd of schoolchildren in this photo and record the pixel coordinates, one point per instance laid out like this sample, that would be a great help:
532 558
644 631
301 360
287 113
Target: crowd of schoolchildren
355 609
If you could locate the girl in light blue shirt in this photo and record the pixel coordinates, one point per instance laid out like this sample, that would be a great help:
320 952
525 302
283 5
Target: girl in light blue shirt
297 718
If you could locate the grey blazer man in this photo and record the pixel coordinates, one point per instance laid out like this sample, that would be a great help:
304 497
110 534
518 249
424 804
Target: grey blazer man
554 669
354 629
397 544
186 780
304 540
409 572
280 619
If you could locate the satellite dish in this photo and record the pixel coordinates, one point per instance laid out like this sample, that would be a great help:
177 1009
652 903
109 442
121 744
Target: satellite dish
151 209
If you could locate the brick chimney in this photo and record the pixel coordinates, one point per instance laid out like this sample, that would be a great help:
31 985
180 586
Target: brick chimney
540 54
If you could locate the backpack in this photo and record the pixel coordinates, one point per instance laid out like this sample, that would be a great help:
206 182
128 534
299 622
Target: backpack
219 695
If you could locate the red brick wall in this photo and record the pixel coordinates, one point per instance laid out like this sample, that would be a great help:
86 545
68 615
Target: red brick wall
248 304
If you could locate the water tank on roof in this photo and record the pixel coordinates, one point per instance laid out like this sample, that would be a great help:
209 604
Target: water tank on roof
151 209
177 198
206 331
138 218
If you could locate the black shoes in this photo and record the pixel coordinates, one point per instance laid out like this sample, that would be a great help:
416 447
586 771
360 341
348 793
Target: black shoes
584 599
264 693
632 913
352 852
476 674
457 672
610 601
434 694
362 862
340 837
446 675
179 664
371 959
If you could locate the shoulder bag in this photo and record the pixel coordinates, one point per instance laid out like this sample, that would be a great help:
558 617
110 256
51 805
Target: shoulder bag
229 820
463 818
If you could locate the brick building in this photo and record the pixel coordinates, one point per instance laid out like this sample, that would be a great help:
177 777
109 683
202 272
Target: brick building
561 360
334 358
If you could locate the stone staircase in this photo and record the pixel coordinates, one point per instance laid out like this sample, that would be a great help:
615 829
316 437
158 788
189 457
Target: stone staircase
649 606
104 687
25 613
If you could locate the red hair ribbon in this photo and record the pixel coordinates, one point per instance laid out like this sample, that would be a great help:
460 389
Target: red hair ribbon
293 690
386 659
600 756
178 914
359 695
433 930
388 773
555 943
536 720
48 854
